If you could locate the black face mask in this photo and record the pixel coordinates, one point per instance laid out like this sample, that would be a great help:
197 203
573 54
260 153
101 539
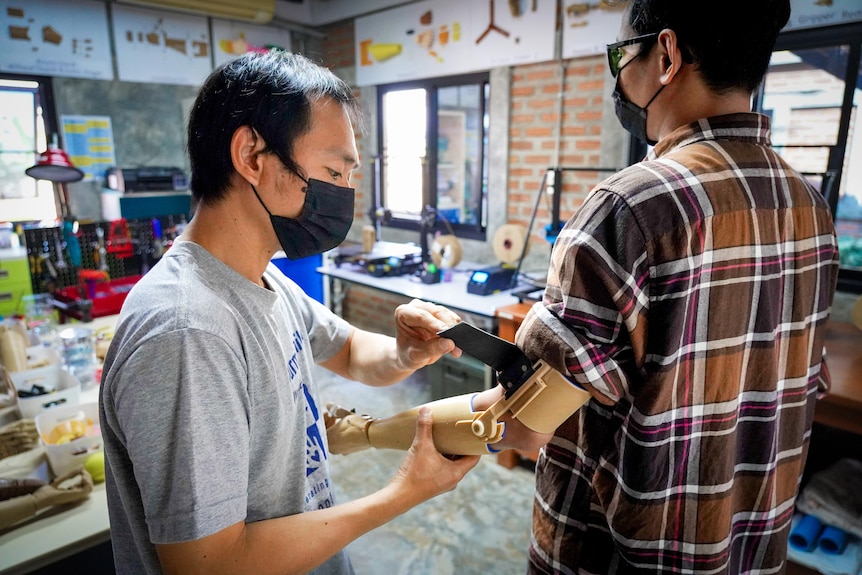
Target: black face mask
326 217
631 116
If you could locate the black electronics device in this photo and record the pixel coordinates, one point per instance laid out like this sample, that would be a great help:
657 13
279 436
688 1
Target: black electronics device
146 179
394 266
490 280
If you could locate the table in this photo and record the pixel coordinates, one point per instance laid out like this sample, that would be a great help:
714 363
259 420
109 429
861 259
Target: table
60 532
842 406
452 294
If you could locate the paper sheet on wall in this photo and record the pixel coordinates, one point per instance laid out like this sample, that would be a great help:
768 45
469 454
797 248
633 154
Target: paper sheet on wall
446 37
233 39
813 13
161 47
55 38
89 141
589 27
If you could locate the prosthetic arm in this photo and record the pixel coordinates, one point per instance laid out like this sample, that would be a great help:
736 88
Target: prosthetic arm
535 394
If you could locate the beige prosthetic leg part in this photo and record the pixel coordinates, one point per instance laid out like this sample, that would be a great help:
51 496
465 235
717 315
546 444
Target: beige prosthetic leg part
452 417
542 403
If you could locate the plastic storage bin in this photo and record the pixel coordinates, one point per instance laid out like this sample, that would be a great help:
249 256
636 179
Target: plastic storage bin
64 457
304 273
66 389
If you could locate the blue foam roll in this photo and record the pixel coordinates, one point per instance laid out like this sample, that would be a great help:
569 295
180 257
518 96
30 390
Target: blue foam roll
833 540
804 536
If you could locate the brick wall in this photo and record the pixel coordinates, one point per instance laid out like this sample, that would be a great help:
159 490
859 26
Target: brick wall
371 309
539 138
338 52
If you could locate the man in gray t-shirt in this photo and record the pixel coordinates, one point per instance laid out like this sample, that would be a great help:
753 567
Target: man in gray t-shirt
216 451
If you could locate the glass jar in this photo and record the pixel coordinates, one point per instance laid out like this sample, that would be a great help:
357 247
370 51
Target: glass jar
78 350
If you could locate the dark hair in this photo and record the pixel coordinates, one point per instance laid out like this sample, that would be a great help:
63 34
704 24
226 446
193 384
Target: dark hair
271 93
730 41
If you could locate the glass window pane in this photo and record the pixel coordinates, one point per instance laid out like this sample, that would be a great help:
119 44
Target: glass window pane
14 183
803 93
849 215
459 153
17 121
404 122
22 132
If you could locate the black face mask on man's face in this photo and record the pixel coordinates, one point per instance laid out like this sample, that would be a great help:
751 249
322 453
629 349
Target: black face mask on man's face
326 217
632 117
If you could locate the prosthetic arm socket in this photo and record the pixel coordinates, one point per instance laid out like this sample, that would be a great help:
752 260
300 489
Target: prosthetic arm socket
542 403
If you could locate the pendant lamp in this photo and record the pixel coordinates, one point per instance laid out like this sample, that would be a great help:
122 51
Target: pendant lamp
55 166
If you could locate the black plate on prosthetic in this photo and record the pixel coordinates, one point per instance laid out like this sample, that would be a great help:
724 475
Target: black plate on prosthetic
510 363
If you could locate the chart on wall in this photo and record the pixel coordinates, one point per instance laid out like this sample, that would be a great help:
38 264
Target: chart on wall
89 141
233 39
588 27
55 38
161 47
813 13
446 37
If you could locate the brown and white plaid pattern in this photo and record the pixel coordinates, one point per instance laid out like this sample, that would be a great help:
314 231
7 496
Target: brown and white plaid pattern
690 295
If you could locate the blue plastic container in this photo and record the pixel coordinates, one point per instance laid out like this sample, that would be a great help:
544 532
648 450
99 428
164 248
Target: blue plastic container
304 273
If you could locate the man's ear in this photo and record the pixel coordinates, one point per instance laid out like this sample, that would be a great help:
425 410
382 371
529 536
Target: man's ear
246 147
670 55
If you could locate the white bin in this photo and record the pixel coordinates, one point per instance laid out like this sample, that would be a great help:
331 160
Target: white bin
65 457
67 389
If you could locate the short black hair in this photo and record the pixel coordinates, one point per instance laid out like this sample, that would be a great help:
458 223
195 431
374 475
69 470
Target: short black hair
730 41
270 92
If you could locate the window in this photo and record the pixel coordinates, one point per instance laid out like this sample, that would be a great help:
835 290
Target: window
24 123
812 91
432 137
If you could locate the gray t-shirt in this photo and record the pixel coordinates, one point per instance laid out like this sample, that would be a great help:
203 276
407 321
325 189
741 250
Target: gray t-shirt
208 410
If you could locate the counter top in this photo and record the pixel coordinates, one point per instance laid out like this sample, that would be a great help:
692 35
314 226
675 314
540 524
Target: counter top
842 406
452 294
61 531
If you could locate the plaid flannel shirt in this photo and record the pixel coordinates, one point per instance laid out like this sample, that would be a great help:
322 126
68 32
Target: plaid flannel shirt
689 295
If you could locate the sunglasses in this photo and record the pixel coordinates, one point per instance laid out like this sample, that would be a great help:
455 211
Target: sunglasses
616 52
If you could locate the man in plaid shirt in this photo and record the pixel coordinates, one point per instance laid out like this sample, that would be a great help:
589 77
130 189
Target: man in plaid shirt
690 296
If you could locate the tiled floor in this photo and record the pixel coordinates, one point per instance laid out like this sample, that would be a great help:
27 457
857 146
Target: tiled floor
483 526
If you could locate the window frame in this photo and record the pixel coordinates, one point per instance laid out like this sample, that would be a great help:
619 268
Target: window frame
849 280
43 97
429 184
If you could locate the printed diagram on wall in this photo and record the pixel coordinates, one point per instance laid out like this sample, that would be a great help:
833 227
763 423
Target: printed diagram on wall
810 13
443 37
233 39
89 141
161 47
588 27
55 38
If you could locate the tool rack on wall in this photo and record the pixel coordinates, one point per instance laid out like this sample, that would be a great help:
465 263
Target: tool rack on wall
119 249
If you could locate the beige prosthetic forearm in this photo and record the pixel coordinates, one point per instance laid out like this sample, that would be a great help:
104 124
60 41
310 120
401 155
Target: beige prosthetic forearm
542 403
452 417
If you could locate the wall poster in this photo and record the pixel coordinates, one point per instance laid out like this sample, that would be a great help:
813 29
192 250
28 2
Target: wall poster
814 13
233 39
588 27
89 141
55 38
161 47
447 37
